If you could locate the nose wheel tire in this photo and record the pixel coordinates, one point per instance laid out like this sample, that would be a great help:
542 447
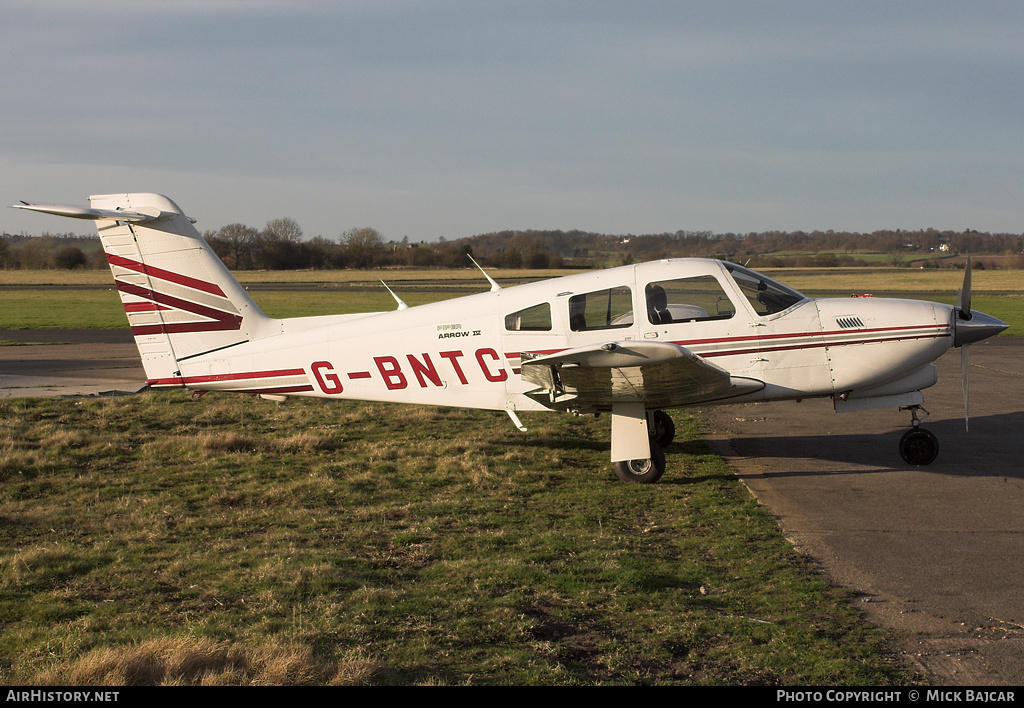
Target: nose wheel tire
646 471
919 447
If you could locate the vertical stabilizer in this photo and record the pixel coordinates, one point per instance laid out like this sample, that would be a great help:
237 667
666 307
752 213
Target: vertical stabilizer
181 300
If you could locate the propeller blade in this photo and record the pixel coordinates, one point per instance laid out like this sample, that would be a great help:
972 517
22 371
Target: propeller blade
964 300
965 366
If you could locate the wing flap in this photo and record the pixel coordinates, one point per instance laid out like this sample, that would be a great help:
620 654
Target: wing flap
659 374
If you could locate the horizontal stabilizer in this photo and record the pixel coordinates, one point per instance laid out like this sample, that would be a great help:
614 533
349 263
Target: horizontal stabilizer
78 212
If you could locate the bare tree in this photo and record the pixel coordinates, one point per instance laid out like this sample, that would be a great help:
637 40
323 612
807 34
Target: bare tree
278 246
283 229
35 254
239 241
364 247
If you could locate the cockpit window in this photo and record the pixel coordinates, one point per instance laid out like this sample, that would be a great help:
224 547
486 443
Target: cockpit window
766 296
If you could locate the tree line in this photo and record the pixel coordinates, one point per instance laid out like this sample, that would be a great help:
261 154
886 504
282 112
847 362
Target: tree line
49 251
280 245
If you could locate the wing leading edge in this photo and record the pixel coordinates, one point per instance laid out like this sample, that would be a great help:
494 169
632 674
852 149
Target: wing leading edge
659 374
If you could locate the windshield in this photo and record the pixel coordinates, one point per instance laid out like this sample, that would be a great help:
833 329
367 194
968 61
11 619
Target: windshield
765 295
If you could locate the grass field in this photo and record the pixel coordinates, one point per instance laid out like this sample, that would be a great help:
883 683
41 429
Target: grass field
160 539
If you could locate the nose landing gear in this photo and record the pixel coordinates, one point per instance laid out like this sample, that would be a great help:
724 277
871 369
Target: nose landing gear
918 446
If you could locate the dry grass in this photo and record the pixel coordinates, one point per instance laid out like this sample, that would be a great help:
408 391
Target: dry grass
200 661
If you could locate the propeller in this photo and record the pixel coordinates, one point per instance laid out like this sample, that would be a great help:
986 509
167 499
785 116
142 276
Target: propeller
969 327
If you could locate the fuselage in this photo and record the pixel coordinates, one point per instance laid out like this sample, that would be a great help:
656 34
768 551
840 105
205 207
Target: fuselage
467 352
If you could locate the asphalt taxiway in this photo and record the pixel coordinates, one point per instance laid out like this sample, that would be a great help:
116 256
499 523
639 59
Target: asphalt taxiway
81 362
935 553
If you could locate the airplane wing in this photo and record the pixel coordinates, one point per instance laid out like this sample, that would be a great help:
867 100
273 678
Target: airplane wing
661 375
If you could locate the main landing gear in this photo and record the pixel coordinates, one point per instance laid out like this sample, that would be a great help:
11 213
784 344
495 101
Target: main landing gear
646 471
662 430
918 446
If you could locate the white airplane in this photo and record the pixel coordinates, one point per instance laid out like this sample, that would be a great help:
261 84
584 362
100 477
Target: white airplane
632 341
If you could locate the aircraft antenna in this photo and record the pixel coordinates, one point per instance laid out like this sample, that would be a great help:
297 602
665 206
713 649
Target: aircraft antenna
494 285
401 305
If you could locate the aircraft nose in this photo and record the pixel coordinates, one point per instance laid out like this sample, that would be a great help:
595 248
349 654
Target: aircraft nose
976 327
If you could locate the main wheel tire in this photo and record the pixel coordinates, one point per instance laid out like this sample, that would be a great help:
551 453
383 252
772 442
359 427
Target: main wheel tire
646 471
919 447
663 429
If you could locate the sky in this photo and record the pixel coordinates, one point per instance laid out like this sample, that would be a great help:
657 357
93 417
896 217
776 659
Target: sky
428 119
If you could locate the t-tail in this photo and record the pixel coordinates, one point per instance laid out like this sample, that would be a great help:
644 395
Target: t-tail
181 300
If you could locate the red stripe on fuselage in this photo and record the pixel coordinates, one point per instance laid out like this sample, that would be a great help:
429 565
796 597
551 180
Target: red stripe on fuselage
211 378
835 341
816 345
795 335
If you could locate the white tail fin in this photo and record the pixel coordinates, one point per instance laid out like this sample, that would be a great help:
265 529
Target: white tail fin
181 300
